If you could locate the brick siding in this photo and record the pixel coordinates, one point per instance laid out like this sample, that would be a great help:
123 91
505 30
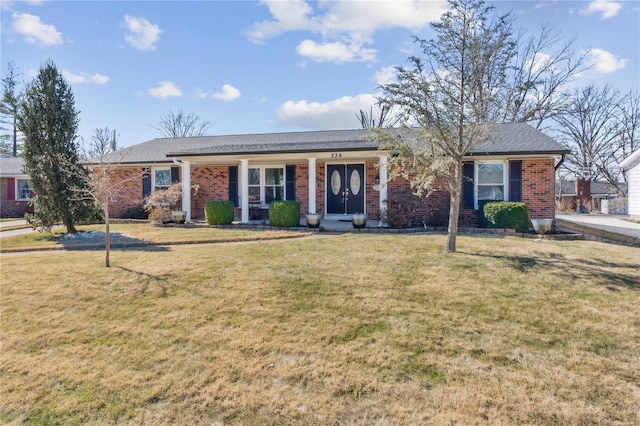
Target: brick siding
538 187
538 177
11 208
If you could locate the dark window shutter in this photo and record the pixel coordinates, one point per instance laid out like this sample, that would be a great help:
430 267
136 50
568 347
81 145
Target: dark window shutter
290 175
11 189
515 180
233 185
467 185
146 182
175 174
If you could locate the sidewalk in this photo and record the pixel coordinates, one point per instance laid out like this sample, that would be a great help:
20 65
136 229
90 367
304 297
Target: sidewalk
12 224
608 223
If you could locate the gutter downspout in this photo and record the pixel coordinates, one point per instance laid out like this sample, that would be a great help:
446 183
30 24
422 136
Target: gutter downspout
557 166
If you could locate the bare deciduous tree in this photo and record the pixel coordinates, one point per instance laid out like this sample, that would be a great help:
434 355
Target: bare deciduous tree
181 125
101 142
103 184
454 92
368 120
542 68
601 127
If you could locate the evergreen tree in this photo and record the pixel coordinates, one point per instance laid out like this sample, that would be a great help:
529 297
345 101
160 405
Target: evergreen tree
49 120
9 110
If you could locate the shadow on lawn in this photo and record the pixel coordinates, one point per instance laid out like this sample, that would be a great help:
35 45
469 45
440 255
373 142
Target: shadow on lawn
598 271
144 279
95 240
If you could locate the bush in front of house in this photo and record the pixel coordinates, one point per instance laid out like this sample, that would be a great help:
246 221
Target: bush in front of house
505 214
284 213
135 212
218 212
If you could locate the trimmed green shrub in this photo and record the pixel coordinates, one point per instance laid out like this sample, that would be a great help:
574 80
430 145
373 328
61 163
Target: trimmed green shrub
284 213
219 212
505 214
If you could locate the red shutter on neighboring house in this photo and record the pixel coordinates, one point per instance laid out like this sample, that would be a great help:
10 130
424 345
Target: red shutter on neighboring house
11 189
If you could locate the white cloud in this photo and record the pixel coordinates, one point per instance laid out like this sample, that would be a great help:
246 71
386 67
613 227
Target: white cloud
289 16
607 9
335 52
539 61
165 89
605 62
340 113
364 17
359 18
85 78
35 30
141 34
227 94
8 5
345 26
385 75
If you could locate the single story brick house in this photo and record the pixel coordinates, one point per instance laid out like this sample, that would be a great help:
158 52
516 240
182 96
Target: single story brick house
335 173
15 187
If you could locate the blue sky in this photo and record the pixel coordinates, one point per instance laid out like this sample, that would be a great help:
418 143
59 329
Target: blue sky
268 66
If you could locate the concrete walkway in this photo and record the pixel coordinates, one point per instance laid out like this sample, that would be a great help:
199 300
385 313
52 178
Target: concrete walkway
609 223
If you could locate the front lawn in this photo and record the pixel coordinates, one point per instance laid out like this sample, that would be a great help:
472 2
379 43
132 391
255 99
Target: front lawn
353 329
135 234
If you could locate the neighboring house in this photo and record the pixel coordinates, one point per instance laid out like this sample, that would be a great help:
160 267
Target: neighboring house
570 192
15 187
335 173
632 165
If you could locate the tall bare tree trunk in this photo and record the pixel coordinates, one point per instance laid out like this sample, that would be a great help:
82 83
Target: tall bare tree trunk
107 235
455 195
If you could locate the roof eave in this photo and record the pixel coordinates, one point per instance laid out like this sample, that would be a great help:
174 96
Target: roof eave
288 151
487 153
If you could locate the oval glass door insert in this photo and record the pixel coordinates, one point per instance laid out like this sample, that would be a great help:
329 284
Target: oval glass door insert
336 182
355 182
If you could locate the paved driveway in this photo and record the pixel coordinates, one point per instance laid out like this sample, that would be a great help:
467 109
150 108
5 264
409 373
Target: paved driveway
605 222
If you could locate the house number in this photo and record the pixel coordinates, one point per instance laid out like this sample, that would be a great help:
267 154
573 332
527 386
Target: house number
336 155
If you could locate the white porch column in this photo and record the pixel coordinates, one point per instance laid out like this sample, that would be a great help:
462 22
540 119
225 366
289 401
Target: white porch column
186 189
312 185
244 191
383 184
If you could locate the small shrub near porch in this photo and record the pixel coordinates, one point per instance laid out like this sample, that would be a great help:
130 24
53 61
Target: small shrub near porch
505 214
219 212
284 213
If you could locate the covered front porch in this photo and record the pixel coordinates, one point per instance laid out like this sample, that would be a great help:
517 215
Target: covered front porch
334 184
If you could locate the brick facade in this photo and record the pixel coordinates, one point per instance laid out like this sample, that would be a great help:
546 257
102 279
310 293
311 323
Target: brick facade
538 187
11 208
130 194
538 177
214 185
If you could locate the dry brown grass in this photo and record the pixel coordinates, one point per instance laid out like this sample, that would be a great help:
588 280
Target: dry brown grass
137 234
356 329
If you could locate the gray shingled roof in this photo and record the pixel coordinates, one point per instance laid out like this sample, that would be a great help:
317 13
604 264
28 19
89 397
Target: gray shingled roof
511 138
11 166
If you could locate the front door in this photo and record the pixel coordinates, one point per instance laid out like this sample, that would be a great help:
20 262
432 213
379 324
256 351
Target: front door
345 188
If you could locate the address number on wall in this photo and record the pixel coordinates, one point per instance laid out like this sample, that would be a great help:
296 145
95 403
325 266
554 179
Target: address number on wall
336 155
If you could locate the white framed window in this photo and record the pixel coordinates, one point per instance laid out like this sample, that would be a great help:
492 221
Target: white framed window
24 189
254 185
491 181
161 178
266 184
